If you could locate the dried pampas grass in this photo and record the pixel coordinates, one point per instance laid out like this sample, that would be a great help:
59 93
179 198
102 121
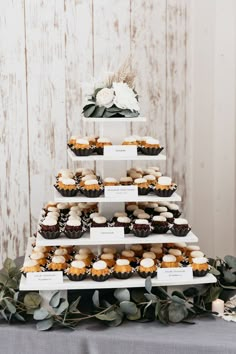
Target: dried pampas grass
124 74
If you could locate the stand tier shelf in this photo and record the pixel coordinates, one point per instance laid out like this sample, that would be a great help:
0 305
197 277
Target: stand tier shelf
114 119
129 239
140 198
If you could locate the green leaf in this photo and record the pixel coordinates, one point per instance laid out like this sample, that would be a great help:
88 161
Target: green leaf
191 292
114 109
177 312
55 299
214 271
32 300
146 307
157 308
135 316
231 287
116 322
3 314
179 294
9 264
89 111
212 294
11 308
151 297
128 307
148 284
137 295
231 261
14 272
229 277
122 295
178 299
19 317
88 106
98 112
45 324
95 298
3 279
74 305
108 316
63 306
161 293
40 314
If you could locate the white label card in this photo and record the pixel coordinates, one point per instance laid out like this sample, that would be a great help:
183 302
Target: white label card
172 274
118 192
106 233
120 150
45 277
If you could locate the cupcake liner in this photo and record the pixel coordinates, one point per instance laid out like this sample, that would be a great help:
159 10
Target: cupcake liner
200 273
143 191
49 235
119 275
75 277
73 234
100 277
82 152
141 233
92 193
147 274
180 232
160 229
99 150
165 193
151 150
66 193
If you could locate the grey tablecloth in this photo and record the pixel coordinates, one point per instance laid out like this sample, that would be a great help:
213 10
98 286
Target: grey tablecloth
206 336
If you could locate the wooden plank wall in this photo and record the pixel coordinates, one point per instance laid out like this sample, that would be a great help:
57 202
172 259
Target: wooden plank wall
51 48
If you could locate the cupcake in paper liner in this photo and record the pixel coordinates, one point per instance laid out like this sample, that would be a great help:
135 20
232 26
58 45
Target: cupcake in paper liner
73 228
58 263
157 250
100 272
67 187
130 256
110 182
125 222
164 187
31 266
141 228
109 258
63 252
72 141
151 147
160 224
49 228
137 249
147 268
82 148
101 142
99 221
77 271
143 186
180 227
122 269
160 209
92 189
174 209
200 266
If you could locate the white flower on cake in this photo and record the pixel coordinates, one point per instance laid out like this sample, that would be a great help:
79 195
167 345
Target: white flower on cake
105 97
125 98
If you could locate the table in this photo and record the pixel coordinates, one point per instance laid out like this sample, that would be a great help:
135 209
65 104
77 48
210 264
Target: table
214 336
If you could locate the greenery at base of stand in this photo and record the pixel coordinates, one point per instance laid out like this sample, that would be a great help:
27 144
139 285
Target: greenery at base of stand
112 307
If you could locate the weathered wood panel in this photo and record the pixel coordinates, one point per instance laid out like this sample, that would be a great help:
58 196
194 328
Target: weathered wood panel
176 79
14 186
45 49
148 53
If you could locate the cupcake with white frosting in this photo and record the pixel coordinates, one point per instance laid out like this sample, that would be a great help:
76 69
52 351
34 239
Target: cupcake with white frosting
147 268
99 221
31 266
67 187
160 224
169 261
92 189
125 222
159 210
39 257
200 266
110 181
109 258
73 228
118 214
143 186
49 228
101 142
174 209
100 271
82 148
151 147
141 228
77 271
177 253
130 256
164 187
137 249
126 181
58 263
122 269
169 216
180 227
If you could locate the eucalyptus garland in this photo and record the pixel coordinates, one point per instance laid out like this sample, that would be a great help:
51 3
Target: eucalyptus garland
112 307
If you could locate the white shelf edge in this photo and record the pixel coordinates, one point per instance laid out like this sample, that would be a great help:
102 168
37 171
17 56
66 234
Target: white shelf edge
141 198
128 240
73 157
134 282
114 119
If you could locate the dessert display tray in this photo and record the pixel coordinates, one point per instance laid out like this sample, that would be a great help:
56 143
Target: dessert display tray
115 119
134 282
140 198
75 158
128 240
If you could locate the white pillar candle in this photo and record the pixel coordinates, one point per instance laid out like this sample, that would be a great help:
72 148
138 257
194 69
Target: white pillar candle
218 306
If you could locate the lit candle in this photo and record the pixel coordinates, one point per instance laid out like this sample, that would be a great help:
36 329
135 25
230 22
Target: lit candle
218 306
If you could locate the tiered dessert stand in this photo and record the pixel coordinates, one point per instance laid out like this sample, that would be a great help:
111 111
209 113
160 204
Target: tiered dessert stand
114 165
